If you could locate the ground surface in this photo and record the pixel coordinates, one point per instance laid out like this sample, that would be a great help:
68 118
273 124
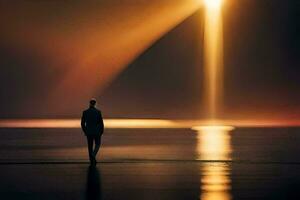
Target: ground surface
151 164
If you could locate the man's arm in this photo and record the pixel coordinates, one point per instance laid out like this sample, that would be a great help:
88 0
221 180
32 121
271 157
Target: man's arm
101 124
83 127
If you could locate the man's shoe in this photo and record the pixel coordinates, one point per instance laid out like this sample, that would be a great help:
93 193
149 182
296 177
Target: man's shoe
94 161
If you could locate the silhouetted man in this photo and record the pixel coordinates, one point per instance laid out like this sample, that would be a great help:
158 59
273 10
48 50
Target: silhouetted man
93 127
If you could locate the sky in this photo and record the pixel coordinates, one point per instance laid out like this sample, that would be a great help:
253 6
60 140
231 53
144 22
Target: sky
144 59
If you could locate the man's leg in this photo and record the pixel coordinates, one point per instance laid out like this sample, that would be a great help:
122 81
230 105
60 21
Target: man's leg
97 145
90 147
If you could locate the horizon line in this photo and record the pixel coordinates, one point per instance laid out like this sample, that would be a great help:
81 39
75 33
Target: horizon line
114 123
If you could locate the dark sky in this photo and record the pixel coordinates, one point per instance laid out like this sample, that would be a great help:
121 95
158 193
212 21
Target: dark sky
119 52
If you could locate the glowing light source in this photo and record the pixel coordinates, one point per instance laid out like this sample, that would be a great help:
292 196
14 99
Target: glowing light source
217 128
213 142
213 3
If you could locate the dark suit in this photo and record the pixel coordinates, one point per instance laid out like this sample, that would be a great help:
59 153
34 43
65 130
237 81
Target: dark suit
93 127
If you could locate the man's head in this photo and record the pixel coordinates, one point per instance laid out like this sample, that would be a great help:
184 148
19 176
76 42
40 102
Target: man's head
93 102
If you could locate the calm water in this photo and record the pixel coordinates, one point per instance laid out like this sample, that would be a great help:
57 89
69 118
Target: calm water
245 144
246 163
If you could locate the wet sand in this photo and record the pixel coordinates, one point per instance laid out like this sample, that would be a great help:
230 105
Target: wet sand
154 180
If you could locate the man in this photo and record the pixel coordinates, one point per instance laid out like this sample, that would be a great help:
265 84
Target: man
93 127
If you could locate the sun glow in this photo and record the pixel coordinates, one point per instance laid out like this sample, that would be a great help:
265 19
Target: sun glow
213 3
213 142
216 128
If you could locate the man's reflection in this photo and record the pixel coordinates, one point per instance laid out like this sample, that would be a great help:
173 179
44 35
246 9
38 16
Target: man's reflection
93 185
214 144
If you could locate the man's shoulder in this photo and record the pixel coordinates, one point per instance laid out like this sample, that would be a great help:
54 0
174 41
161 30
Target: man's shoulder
91 110
85 112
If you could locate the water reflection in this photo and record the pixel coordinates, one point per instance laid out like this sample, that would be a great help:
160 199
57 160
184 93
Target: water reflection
93 184
214 144
215 182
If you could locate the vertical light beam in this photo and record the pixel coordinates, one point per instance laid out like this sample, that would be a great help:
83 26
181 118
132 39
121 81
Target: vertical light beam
213 56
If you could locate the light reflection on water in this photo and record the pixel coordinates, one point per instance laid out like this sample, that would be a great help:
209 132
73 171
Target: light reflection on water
214 143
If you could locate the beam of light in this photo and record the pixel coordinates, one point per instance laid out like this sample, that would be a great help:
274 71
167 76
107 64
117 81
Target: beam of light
214 143
87 44
134 34
213 58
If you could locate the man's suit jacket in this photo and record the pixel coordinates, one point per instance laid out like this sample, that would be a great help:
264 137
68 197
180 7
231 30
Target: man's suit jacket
92 122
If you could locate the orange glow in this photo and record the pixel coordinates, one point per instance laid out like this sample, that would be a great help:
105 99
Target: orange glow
107 50
75 123
214 143
213 58
88 43
213 4
213 128
216 183
199 125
